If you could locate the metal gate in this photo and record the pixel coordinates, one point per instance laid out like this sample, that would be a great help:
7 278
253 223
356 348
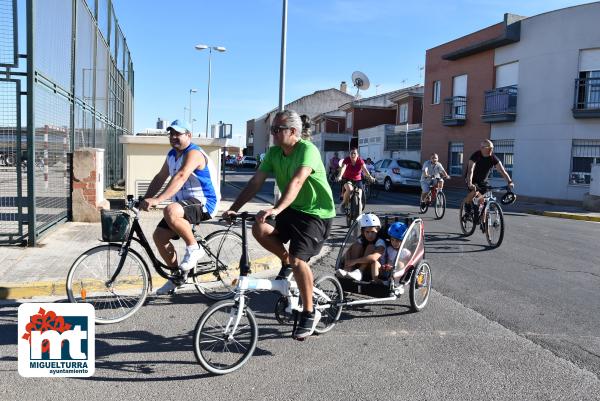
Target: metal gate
73 76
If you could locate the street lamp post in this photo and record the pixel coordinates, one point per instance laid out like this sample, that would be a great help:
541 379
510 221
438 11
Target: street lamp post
220 49
191 120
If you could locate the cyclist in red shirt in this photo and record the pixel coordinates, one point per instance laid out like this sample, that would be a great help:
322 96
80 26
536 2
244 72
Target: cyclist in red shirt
350 173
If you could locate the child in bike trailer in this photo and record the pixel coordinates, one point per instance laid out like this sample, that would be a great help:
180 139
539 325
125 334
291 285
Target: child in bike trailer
397 231
364 254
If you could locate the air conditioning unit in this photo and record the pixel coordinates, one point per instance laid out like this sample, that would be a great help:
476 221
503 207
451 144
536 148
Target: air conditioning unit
141 186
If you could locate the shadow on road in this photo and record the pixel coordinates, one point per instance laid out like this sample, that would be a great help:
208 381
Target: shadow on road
444 242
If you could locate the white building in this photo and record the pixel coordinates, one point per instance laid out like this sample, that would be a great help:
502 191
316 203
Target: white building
553 72
312 105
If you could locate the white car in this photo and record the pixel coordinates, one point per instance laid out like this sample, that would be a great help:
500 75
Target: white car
249 161
391 172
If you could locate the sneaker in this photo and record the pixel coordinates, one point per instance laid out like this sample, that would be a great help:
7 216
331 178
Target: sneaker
341 273
307 323
400 289
284 272
190 259
355 274
168 288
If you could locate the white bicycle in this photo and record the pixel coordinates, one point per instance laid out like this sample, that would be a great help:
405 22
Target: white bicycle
226 334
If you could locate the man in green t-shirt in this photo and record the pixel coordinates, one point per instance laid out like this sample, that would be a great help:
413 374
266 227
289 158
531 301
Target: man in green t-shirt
304 213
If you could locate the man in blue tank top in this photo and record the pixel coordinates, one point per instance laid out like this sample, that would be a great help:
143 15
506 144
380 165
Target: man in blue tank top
195 194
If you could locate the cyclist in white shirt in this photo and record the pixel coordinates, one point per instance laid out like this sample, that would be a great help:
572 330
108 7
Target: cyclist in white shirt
432 174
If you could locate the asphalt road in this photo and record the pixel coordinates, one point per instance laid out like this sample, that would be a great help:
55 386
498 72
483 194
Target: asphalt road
518 322
542 283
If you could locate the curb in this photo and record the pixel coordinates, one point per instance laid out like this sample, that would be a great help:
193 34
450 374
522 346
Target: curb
57 288
565 215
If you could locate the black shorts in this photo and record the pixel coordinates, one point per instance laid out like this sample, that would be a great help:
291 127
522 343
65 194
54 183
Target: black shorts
358 183
482 186
192 212
306 233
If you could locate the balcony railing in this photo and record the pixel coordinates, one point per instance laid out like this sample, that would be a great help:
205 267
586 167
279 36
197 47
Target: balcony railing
455 111
500 105
587 98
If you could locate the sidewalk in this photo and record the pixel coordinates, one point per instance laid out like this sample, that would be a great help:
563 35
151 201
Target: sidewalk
42 271
537 207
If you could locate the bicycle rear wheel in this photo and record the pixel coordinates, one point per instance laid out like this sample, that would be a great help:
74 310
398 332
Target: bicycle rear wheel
420 286
217 348
88 277
467 225
334 294
440 205
222 267
494 225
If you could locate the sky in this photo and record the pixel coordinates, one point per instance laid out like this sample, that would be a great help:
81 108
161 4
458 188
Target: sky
327 40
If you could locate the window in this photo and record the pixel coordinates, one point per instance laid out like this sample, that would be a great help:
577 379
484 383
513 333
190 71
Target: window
348 120
503 149
588 96
378 164
437 89
584 153
588 86
386 163
403 113
455 158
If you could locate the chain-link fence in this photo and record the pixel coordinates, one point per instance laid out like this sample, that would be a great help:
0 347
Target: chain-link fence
66 64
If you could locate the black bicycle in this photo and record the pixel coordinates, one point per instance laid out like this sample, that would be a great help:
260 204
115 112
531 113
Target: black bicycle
116 280
487 213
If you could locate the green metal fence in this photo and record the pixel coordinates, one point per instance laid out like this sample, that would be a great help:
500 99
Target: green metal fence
66 81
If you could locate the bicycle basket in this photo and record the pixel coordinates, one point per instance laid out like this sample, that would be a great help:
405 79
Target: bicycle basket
115 225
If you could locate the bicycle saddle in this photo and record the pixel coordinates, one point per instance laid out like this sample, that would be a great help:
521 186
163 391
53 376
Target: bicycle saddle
508 198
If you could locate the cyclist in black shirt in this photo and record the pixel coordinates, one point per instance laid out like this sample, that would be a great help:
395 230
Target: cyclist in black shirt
480 165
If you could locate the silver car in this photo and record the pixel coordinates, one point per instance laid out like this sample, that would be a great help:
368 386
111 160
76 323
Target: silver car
390 172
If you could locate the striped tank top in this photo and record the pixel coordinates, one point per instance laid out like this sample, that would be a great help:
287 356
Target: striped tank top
201 184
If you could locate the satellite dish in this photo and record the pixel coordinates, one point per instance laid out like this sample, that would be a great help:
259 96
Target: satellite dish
360 81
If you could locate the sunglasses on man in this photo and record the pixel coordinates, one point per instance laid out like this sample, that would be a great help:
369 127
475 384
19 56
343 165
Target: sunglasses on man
276 129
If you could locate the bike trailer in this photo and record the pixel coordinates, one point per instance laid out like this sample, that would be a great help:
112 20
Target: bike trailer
410 255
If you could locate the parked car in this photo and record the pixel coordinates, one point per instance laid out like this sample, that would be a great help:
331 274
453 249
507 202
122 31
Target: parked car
231 162
249 161
391 172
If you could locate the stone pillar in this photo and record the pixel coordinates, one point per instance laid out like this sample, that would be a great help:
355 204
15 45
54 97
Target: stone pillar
88 185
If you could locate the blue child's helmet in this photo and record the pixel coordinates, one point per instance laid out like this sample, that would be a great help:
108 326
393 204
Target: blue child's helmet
397 230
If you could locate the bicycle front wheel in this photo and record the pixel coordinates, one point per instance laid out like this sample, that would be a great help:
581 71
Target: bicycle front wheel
331 297
220 349
88 281
222 267
440 205
467 225
494 225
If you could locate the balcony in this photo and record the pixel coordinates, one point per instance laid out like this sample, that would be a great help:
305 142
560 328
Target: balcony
500 105
455 111
587 98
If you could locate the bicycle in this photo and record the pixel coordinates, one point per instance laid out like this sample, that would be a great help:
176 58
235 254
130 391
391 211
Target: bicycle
436 195
488 214
226 334
115 278
355 205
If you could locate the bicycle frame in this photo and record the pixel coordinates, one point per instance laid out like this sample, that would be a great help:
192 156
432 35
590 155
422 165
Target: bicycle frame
288 288
159 267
